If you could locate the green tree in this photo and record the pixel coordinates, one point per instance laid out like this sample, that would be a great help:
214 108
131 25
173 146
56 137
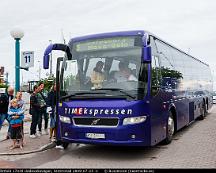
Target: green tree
3 85
48 82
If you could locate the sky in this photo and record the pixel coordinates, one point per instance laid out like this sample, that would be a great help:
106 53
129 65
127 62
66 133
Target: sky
189 25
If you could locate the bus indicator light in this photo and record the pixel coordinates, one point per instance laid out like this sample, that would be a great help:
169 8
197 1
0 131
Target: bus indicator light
133 136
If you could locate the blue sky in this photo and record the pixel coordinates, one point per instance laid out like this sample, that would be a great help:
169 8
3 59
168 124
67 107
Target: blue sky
188 24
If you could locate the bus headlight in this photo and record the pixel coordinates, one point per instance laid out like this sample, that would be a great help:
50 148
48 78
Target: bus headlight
64 119
134 120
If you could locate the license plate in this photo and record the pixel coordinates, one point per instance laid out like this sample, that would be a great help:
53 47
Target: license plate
95 135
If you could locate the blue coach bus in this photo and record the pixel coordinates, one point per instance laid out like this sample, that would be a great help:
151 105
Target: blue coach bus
145 89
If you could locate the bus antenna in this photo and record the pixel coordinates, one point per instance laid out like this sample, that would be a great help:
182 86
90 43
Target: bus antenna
62 34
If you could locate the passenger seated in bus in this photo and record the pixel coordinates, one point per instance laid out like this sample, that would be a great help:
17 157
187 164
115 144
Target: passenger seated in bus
124 73
97 76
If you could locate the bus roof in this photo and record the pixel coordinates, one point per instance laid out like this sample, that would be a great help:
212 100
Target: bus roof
176 48
110 34
126 33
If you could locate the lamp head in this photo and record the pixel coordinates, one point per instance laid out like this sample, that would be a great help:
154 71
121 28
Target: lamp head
17 33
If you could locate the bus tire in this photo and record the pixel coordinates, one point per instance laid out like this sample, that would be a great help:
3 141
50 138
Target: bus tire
65 145
203 111
170 129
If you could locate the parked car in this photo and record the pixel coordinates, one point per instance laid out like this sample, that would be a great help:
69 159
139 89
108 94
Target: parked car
214 97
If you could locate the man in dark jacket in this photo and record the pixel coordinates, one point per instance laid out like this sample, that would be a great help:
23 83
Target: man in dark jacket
10 96
5 99
3 106
42 99
34 111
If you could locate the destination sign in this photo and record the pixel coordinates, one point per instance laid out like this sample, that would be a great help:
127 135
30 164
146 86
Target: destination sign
104 44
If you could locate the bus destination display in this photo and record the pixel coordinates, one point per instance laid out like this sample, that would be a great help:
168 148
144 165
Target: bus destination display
104 44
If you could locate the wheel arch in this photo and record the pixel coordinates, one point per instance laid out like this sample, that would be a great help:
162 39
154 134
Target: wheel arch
207 103
172 109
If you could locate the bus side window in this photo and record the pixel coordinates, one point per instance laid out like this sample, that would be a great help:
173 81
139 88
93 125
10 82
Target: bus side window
155 70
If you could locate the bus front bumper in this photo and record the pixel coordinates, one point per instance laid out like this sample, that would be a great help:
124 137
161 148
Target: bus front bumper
130 135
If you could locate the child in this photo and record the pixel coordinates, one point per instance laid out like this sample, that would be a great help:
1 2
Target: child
15 116
52 123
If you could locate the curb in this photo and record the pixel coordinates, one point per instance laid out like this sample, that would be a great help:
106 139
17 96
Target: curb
43 148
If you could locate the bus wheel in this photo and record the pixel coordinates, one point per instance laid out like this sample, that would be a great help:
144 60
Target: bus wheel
170 129
65 145
203 111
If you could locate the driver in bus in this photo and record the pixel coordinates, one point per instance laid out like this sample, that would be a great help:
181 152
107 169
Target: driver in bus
97 76
124 73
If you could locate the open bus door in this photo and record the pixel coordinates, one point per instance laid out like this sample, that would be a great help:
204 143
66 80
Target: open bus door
58 70
46 57
58 67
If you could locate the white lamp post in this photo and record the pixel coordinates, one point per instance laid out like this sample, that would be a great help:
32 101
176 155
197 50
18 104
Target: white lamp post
17 34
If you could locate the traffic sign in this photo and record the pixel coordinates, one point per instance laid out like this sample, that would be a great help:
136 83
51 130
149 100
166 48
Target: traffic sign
27 59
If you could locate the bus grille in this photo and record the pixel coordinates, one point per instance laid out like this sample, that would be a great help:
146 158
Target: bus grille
96 122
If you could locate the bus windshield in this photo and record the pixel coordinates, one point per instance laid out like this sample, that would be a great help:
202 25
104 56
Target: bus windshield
107 67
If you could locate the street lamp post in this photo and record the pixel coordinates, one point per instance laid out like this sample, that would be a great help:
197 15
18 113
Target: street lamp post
17 34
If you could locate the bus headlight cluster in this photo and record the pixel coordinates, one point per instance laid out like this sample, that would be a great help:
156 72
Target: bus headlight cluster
64 119
134 120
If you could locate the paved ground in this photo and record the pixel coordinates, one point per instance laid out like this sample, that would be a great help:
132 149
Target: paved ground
192 147
30 145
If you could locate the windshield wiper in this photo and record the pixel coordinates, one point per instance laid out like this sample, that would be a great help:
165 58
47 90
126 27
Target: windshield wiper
92 92
77 94
118 89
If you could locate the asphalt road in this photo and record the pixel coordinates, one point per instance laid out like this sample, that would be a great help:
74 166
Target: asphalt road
193 147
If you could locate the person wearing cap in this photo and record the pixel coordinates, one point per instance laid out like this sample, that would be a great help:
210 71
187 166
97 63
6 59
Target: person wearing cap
97 76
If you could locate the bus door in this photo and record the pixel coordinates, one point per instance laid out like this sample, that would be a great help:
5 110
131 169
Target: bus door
58 67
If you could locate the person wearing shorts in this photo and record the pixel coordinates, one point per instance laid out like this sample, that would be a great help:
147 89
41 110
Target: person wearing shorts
16 116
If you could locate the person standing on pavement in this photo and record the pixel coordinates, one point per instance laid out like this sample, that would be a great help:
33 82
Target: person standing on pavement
10 96
15 117
42 99
5 98
20 100
51 101
3 106
34 111
22 107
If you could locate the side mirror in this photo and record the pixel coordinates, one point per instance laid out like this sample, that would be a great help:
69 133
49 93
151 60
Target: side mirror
146 52
46 56
52 47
